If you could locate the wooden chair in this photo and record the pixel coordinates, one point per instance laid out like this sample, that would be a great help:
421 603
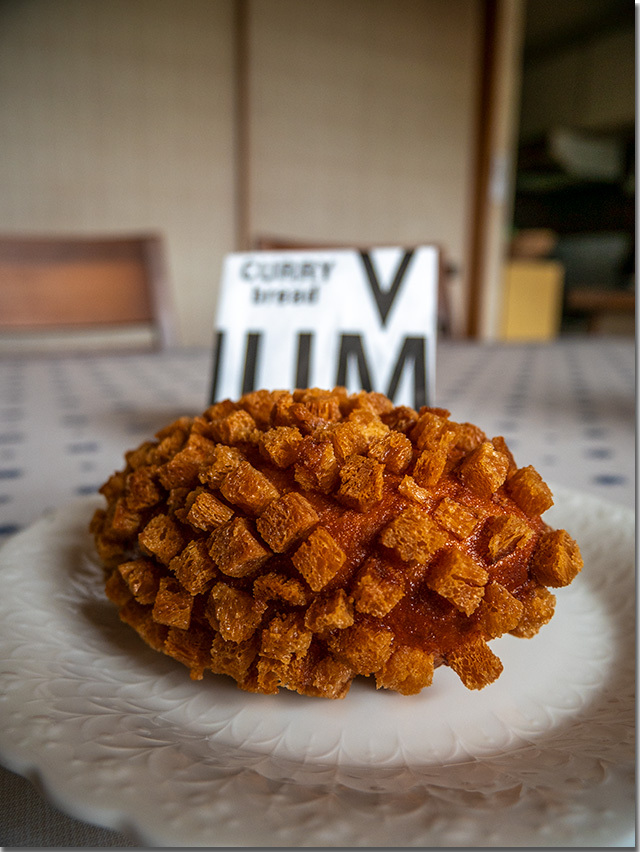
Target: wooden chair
84 292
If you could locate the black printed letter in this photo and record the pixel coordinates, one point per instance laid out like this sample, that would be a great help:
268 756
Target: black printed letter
251 361
218 351
303 364
413 348
384 299
351 347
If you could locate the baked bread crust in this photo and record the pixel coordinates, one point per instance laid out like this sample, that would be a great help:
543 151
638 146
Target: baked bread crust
297 540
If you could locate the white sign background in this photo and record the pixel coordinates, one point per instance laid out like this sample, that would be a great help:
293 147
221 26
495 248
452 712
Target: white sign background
268 300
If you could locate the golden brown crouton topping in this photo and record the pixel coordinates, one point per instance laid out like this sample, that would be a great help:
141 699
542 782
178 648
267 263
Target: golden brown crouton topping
299 539
557 560
319 559
286 520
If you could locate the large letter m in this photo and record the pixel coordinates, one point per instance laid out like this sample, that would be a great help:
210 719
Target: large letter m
413 351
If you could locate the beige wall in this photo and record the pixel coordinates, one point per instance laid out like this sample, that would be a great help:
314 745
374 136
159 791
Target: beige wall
362 120
119 114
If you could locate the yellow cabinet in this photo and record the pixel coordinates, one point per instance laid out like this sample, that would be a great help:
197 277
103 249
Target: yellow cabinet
532 301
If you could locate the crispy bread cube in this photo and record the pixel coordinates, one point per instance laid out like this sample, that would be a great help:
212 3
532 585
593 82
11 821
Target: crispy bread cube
235 549
233 658
377 588
369 423
429 428
484 470
184 467
178 427
142 577
286 520
193 567
475 664
220 410
455 576
280 445
331 678
361 483
235 613
432 461
538 607
171 439
293 674
274 586
319 559
162 538
223 461
270 676
402 418
114 486
192 649
200 425
122 521
116 589
467 437
236 428
407 671
500 612
501 446
505 534
556 560
142 490
322 403
140 617
259 404
317 467
98 522
248 488
413 536
458 519
205 511
281 411
372 401
285 637
394 450
348 439
173 604
528 489
110 551
364 647
176 500
142 456
306 420
410 489
441 412
334 612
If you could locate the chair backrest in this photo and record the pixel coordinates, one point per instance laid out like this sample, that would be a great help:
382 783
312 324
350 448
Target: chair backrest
73 288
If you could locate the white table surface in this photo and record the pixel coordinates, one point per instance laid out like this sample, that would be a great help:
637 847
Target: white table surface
568 408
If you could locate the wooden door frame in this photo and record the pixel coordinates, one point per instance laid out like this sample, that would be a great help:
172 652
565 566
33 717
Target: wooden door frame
495 159
241 124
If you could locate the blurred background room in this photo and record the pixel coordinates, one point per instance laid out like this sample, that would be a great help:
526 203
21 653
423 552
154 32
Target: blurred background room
502 130
142 141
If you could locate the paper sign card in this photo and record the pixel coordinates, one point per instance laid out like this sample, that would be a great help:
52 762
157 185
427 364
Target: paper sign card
366 320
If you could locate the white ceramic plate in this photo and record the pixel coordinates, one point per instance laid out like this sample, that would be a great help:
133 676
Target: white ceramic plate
118 735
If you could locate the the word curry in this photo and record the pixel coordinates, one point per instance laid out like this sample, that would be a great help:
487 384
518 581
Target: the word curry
362 319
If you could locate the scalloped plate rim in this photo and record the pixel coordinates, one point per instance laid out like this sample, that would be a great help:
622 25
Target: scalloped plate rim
40 769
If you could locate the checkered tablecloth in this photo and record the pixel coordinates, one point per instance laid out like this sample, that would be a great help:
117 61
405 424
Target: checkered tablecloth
568 408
